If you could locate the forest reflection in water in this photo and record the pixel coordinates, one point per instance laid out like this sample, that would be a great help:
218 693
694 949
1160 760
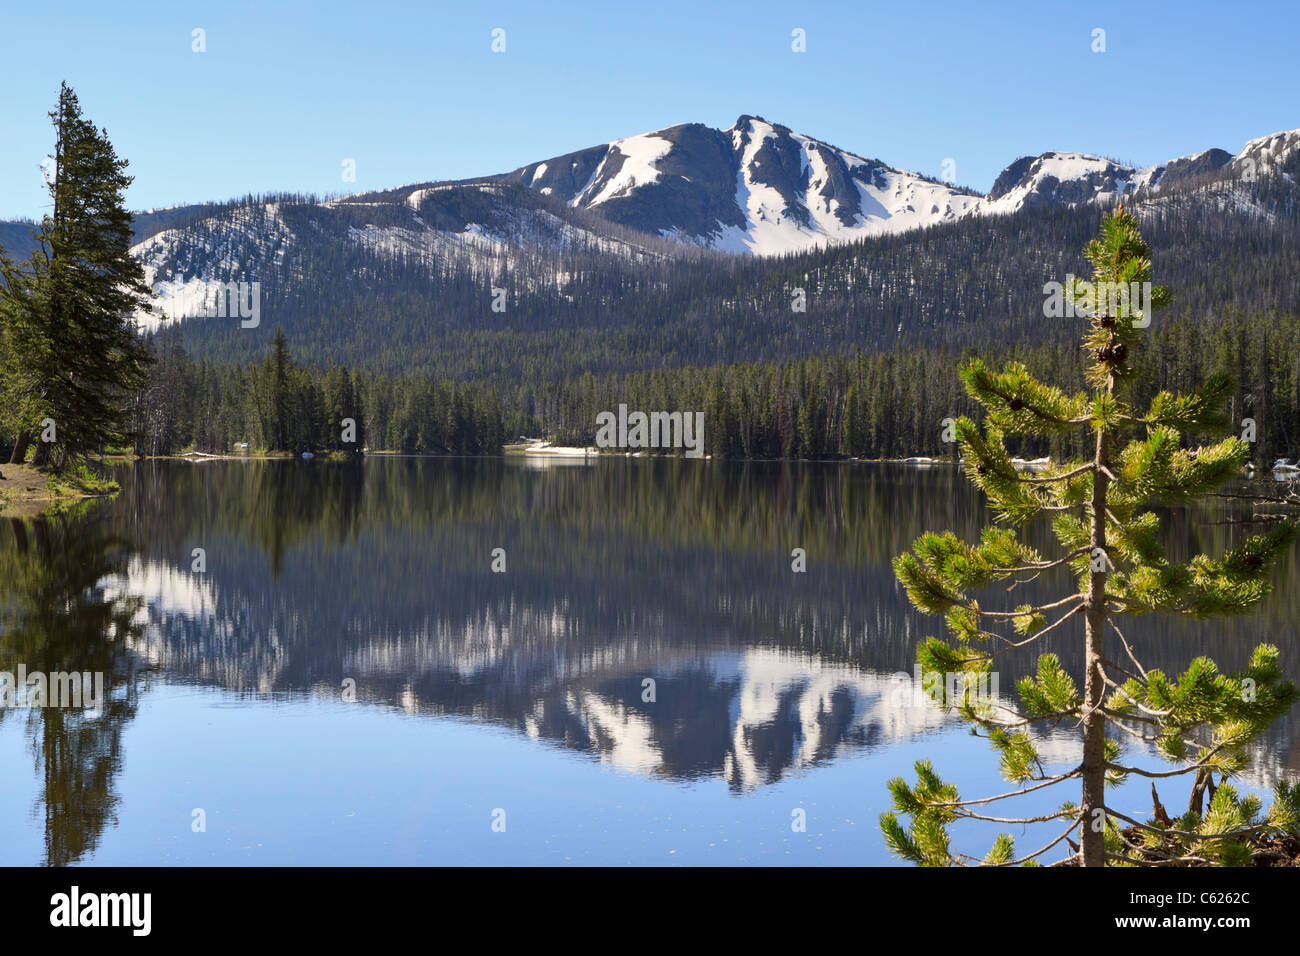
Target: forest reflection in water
319 579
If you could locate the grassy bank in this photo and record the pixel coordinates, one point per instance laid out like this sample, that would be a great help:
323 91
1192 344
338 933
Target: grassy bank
24 488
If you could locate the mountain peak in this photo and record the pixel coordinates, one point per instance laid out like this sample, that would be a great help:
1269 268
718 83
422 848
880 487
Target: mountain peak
755 187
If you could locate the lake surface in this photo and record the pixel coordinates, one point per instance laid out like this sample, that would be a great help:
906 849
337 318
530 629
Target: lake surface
346 680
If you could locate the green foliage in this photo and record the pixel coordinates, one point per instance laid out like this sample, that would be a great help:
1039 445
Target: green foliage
1198 410
925 840
1017 403
69 349
1019 759
1053 690
1002 852
1101 506
885 405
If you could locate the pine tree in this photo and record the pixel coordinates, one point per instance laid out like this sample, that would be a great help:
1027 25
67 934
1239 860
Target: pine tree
1200 721
276 394
72 352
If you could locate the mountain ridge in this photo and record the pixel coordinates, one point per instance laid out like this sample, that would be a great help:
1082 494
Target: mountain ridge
492 277
789 191
755 188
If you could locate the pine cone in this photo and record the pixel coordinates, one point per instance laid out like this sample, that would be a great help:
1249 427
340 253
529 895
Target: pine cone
1111 354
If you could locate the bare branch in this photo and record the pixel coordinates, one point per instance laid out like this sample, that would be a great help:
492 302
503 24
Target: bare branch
1038 479
1027 611
1128 648
1048 782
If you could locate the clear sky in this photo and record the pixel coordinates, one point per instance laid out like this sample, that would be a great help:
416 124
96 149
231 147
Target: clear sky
285 92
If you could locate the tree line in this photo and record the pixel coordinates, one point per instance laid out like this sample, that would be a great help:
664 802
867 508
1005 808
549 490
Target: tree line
889 404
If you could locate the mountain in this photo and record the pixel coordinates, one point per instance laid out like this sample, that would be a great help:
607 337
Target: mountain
1269 154
1056 178
473 231
754 188
757 187
617 257
760 188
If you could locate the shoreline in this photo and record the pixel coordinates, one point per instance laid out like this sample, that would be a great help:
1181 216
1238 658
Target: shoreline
558 451
25 491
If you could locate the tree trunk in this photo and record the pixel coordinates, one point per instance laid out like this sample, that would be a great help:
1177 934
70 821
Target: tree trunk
19 530
1093 837
41 456
1196 802
20 447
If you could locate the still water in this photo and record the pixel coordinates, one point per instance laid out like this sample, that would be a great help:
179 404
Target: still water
340 676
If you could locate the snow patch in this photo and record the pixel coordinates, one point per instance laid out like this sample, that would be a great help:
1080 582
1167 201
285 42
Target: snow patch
640 153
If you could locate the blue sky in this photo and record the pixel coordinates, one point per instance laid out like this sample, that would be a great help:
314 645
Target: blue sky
285 92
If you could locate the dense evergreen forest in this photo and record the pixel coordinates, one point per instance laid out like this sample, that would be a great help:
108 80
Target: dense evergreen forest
881 405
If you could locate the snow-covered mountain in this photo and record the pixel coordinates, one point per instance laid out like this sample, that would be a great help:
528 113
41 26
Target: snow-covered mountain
554 231
1072 178
478 230
760 188
1269 154
757 187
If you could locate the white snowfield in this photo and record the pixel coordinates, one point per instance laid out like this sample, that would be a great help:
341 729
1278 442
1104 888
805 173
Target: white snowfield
905 202
639 155
250 235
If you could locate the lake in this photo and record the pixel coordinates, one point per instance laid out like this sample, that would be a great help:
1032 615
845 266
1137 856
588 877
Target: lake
487 661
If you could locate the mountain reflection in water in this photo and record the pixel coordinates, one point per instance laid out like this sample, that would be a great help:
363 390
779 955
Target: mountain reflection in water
648 618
